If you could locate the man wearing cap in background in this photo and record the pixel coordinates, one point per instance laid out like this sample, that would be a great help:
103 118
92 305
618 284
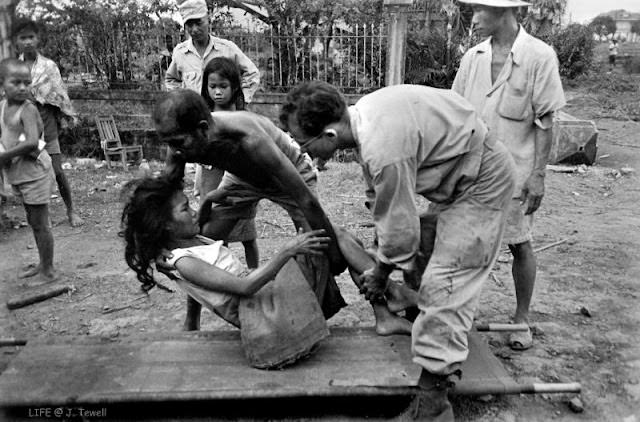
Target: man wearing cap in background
190 56
512 79
188 61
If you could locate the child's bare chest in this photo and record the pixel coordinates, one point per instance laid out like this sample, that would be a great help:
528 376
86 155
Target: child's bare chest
11 124
11 115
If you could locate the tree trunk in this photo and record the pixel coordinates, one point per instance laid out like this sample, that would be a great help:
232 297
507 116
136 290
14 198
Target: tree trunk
7 14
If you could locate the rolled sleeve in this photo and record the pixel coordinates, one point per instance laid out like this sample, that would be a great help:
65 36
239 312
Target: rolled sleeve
460 80
548 95
250 75
172 79
395 213
370 193
545 122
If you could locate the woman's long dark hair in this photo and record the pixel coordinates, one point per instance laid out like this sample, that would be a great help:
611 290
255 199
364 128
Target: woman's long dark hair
145 224
225 68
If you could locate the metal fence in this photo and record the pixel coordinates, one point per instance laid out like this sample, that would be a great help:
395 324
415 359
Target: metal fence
135 56
350 58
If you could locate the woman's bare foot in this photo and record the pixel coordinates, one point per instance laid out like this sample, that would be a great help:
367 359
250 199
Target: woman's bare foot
400 297
75 220
389 324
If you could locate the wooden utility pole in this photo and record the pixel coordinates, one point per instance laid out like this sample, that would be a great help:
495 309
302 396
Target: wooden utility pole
7 14
397 39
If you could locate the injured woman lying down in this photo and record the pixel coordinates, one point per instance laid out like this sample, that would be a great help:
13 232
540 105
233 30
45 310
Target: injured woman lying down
281 307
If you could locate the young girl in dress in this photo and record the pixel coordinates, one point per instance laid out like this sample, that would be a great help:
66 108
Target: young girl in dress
222 90
157 218
279 323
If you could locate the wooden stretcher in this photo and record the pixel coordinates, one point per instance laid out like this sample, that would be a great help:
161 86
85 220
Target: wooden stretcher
210 366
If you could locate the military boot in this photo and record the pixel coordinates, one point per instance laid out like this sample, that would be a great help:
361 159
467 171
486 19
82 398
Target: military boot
431 404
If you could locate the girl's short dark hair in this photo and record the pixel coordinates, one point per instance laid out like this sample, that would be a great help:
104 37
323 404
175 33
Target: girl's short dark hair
315 104
24 25
227 69
145 223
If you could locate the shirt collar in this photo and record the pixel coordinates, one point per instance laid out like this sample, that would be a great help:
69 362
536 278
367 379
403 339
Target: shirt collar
210 46
517 49
37 59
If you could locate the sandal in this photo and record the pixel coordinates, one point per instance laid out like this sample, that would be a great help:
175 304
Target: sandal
521 340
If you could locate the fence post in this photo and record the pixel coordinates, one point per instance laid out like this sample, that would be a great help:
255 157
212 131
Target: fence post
7 14
396 40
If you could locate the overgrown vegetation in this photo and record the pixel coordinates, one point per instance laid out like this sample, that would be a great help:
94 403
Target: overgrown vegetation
81 140
574 46
126 44
615 94
113 41
603 25
437 39
436 45
632 65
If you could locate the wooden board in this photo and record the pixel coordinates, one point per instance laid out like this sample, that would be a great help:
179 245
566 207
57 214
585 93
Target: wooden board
211 366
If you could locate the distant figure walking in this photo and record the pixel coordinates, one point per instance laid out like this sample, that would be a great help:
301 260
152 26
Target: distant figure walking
613 54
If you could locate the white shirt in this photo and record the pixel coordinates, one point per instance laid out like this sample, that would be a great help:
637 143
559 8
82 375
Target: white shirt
185 70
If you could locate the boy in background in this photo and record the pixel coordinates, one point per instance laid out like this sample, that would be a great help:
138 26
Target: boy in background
50 96
26 163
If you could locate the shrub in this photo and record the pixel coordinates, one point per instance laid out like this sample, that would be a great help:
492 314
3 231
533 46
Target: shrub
632 64
81 140
428 62
574 46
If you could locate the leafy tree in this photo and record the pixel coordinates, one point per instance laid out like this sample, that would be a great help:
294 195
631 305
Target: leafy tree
635 27
603 25
434 50
307 12
543 17
100 35
299 25
574 46
7 12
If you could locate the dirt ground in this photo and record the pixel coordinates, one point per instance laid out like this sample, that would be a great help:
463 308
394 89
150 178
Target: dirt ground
585 311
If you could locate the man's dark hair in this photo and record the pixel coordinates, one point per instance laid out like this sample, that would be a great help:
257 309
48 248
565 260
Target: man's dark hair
24 25
315 105
184 107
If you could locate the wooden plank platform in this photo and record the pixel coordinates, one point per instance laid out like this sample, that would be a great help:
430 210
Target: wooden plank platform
211 366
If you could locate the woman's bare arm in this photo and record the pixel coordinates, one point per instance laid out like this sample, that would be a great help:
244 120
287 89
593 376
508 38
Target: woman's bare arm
213 278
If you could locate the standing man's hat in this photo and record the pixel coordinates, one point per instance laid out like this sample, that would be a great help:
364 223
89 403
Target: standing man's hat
498 3
192 9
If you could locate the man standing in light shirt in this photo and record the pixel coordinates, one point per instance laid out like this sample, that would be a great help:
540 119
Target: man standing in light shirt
512 79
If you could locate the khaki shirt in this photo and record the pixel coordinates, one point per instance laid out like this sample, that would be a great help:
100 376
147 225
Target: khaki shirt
185 70
527 89
414 140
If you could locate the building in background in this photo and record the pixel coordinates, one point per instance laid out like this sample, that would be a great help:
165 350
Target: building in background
624 23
